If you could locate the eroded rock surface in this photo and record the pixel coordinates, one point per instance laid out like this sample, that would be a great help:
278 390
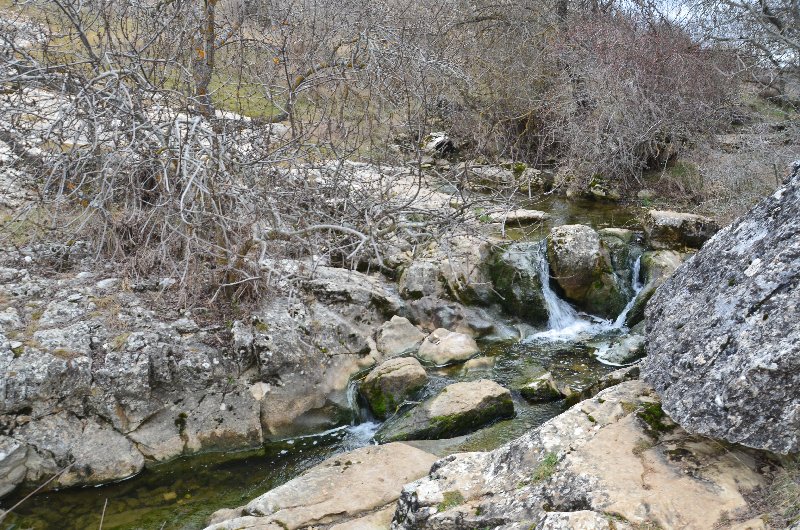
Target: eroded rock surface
613 461
723 336
677 230
342 488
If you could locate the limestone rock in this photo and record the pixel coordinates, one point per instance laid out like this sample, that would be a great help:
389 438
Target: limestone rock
421 278
543 388
622 350
398 336
677 230
344 487
13 455
458 409
388 385
581 265
656 267
431 313
461 267
444 347
519 217
723 336
514 273
615 457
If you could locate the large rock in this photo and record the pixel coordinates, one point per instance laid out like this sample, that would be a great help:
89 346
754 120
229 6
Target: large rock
514 272
431 313
723 335
458 409
611 462
656 267
344 487
421 278
398 336
443 347
581 266
13 455
388 385
677 230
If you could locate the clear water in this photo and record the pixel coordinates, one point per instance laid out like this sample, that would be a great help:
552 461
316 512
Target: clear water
182 494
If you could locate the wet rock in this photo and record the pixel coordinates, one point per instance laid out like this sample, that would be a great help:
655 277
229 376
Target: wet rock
581 265
723 336
623 350
398 336
391 383
623 248
443 347
514 273
431 313
344 487
656 267
613 454
458 409
677 230
541 389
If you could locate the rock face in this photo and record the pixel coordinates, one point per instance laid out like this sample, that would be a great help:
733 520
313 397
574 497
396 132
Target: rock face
656 267
458 409
676 230
344 487
398 336
514 272
543 388
723 335
443 347
581 265
388 385
611 462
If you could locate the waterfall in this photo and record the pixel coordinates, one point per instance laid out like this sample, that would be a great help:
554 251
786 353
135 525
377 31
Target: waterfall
636 286
561 315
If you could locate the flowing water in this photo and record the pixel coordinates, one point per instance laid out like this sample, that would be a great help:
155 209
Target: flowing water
182 493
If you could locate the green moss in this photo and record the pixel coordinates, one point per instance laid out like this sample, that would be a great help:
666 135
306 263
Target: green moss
180 422
451 500
546 467
261 327
653 416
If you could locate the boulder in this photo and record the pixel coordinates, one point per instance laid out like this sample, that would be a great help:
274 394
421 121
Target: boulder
622 350
614 461
443 347
388 385
398 336
421 278
462 260
581 265
543 388
677 230
623 249
458 409
430 313
514 273
13 455
344 487
723 337
655 267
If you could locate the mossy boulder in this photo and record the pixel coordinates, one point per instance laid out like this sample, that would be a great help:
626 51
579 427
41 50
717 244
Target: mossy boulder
391 383
581 265
541 389
458 409
656 267
514 274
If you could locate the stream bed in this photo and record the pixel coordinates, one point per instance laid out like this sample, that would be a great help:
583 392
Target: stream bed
181 494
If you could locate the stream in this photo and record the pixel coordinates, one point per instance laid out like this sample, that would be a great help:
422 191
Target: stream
181 494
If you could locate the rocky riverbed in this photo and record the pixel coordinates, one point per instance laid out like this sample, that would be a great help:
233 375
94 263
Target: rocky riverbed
477 343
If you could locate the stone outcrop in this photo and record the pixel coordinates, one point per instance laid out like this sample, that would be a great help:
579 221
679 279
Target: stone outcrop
677 230
514 272
612 462
581 265
458 409
543 388
723 336
443 347
388 385
345 487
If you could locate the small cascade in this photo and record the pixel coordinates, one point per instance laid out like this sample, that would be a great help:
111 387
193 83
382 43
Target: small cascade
561 315
637 287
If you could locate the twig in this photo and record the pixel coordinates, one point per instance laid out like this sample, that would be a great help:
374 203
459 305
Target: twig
103 515
34 492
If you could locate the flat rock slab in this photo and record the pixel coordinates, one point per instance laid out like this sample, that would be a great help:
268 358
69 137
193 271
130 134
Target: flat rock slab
521 217
342 488
458 409
613 461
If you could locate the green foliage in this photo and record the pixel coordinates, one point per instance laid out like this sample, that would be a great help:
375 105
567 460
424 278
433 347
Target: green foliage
546 467
653 416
